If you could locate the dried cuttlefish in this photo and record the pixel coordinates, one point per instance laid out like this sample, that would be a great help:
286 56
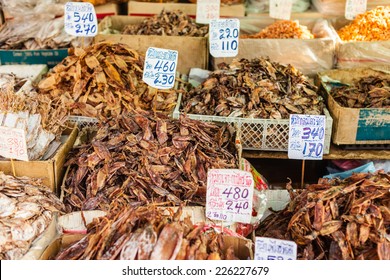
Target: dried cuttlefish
168 23
26 210
367 92
141 156
337 219
147 233
256 88
103 80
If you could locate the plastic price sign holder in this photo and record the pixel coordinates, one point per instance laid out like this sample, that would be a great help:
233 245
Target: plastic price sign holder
207 10
80 19
229 195
13 144
275 249
280 9
354 8
160 68
223 38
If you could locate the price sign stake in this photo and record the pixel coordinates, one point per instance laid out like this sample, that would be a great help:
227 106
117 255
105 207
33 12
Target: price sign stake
306 137
275 249
229 195
80 19
280 9
160 68
13 143
224 34
354 8
207 10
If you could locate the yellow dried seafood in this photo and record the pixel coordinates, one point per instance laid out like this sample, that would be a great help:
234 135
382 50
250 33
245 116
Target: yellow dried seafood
285 29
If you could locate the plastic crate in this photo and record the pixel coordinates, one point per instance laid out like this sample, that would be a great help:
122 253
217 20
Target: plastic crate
260 134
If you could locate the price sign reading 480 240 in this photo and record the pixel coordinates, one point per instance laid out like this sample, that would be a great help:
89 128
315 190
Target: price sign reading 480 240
160 68
229 195
80 19
223 38
306 137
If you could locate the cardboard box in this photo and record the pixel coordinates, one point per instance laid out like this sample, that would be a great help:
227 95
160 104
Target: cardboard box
59 243
193 51
135 8
49 57
31 72
353 125
109 9
50 171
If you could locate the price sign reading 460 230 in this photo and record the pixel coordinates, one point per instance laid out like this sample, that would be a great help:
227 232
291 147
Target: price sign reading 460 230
80 19
223 38
229 195
306 137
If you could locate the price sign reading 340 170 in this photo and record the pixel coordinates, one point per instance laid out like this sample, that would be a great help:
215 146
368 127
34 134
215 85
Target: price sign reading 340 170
80 19
223 37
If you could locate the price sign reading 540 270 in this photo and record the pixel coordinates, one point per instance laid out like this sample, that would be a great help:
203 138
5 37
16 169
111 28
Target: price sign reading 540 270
224 34
80 19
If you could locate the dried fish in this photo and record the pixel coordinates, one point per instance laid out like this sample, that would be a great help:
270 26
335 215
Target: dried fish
283 29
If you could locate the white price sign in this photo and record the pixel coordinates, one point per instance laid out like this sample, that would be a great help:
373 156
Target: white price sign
80 19
13 143
223 38
280 9
229 195
306 137
207 10
275 249
160 68
354 8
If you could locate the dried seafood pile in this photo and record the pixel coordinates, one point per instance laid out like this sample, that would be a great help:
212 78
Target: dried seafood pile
334 219
168 23
26 210
285 29
103 80
144 233
368 92
144 157
255 88
21 107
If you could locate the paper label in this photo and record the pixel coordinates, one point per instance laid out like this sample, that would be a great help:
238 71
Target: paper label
224 34
13 143
80 19
160 68
280 9
207 10
229 195
354 8
306 137
275 249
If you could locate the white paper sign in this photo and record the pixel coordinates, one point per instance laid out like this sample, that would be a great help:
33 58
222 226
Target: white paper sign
280 9
80 19
160 68
13 143
306 137
223 37
229 195
275 249
354 8
207 10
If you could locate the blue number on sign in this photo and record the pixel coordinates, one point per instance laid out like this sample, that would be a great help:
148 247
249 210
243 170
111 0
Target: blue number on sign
166 68
85 17
228 33
157 81
165 79
235 33
319 149
221 31
172 67
76 17
321 133
171 79
306 133
78 28
90 17
312 149
158 65
87 28
234 45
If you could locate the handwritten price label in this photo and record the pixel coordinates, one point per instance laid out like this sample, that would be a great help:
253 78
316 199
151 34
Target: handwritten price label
306 137
275 249
80 19
13 143
207 10
160 68
229 195
280 9
224 34
354 8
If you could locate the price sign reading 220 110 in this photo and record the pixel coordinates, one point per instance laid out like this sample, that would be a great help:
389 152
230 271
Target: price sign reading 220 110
224 37
80 19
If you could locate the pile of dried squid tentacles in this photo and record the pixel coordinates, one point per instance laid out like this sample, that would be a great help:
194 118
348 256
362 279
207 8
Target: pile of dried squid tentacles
337 219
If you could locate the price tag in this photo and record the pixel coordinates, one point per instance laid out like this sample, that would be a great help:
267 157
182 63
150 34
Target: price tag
354 8
207 10
13 143
229 195
306 137
280 9
275 249
160 68
224 34
80 19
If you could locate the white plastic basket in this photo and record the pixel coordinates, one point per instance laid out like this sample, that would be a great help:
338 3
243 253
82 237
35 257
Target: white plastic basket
260 134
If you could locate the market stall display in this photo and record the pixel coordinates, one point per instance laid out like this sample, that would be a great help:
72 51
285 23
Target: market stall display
285 29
